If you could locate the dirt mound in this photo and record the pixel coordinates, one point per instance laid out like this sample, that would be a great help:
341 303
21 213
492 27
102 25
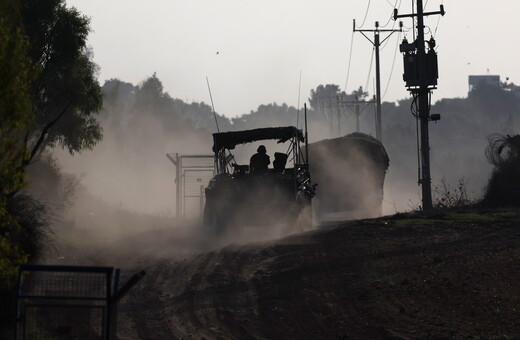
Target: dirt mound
447 276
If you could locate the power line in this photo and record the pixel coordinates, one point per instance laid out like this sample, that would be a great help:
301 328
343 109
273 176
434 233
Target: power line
299 91
393 25
413 19
212 106
370 69
390 18
349 60
392 14
386 41
436 27
393 63
366 13
438 20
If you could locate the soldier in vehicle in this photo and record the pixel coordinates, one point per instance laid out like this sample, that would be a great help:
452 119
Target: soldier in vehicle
259 161
280 159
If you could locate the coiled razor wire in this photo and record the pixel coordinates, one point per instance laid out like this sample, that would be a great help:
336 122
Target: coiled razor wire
503 149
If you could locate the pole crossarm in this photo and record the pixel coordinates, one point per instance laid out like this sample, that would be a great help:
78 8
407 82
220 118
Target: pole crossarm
397 16
356 109
357 102
377 43
377 29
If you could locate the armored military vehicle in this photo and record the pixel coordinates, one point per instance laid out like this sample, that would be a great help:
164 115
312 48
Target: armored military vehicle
238 197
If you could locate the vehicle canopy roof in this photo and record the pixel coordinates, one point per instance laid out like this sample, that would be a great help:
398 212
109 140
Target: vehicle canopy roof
228 140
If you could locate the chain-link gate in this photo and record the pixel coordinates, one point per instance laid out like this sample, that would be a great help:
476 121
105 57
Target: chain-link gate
193 173
68 302
64 302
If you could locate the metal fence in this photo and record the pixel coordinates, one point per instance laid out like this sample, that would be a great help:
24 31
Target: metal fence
65 302
7 314
193 173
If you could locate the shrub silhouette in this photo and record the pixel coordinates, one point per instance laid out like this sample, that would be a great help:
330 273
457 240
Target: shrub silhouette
503 188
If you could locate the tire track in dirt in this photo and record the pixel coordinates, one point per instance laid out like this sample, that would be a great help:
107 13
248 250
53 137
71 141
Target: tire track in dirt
354 281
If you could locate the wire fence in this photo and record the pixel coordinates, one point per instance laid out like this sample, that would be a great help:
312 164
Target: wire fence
65 302
195 181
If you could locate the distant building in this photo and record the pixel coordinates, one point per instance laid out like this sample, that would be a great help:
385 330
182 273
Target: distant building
488 79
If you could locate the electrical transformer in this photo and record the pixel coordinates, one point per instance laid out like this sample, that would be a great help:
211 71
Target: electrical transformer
411 69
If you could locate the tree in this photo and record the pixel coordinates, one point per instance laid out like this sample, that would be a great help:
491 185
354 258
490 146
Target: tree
268 115
15 117
65 94
359 94
323 94
48 95
150 93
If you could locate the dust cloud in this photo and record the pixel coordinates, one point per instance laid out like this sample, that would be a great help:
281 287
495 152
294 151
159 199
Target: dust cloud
121 194
129 168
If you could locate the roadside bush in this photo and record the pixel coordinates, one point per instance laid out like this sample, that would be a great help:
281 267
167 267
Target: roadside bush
23 232
446 196
33 224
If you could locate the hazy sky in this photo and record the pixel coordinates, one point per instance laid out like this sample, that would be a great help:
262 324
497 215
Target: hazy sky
253 50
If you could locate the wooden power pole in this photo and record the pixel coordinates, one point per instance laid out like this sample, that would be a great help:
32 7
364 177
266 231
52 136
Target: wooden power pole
420 75
357 110
377 43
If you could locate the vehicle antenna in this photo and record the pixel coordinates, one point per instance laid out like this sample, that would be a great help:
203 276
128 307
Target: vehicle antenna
212 106
306 135
299 91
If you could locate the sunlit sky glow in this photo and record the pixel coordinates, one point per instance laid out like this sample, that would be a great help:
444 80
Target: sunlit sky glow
263 45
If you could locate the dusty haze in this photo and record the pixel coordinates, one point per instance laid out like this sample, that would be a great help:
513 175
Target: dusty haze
127 184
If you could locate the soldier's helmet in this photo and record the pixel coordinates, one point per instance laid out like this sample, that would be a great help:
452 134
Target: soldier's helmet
261 149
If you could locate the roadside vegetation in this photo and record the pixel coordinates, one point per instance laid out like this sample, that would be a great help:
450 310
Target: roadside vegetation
503 188
49 96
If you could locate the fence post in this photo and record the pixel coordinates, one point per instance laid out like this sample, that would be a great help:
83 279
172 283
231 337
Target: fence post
202 201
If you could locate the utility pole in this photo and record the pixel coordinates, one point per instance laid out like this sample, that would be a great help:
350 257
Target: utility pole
357 113
339 117
331 118
377 43
356 110
420 75
177 161
330 115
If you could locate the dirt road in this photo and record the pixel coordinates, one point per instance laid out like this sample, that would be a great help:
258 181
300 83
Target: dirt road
455 275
